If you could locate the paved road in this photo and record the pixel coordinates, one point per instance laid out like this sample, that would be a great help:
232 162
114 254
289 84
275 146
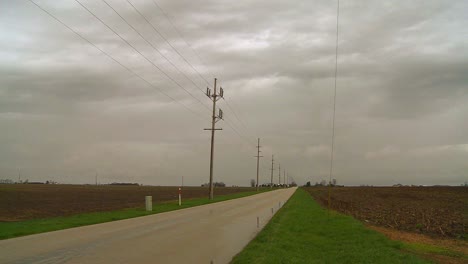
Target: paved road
204 234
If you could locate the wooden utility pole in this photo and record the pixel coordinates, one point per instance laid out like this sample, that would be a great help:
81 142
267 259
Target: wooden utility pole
214 118
258 159
272 169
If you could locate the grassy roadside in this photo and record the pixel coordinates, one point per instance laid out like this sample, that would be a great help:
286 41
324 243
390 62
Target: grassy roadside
302 232
441 250
29 227
436 252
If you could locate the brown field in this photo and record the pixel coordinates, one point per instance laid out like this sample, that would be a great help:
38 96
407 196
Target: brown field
28 201
435 211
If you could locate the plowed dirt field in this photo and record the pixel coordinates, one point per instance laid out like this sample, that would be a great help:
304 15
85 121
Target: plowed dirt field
435 211
28 201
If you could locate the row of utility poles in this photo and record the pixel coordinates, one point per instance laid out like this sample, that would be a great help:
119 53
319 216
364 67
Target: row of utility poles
214 97
279 172
272 168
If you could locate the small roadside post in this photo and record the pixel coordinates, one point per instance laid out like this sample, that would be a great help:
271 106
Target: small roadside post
180 196
149 203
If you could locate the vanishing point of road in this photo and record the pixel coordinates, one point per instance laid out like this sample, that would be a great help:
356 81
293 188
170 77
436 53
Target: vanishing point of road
211 233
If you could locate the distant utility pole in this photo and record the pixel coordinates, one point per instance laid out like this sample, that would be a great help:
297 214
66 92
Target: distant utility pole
258 158
96 178
214 118
272 169
279 174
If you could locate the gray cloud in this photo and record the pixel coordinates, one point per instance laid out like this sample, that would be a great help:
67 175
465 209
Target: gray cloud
68 112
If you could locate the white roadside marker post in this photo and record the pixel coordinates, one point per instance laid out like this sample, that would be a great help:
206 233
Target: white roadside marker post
149 203
180 196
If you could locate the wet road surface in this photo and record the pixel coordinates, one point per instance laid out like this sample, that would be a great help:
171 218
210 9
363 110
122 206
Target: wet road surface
211 233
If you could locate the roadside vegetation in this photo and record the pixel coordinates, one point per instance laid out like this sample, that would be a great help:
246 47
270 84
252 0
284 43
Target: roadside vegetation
304 232
35 226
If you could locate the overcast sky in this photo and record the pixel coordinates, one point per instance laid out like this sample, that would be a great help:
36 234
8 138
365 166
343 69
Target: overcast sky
69 112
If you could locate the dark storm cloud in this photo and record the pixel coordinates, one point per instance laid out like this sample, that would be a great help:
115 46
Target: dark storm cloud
67 111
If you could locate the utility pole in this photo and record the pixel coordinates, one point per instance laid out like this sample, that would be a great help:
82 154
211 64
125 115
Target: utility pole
214 118
279 174
258 159
272 169
96 178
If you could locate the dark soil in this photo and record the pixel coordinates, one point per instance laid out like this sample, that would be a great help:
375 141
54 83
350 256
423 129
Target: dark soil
20 202
435 211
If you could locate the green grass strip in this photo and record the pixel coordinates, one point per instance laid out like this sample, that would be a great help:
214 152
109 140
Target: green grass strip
424 249
302 232
35 226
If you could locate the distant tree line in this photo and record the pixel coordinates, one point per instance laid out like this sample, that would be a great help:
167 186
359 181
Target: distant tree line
322 183
8 181
124 183
215 184
292 184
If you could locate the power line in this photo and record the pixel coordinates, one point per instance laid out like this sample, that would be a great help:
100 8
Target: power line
136 9
183 39
156 49
181 35
135 49
236 116
157 31
115 60
231 126
243 138
227 103
243 141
